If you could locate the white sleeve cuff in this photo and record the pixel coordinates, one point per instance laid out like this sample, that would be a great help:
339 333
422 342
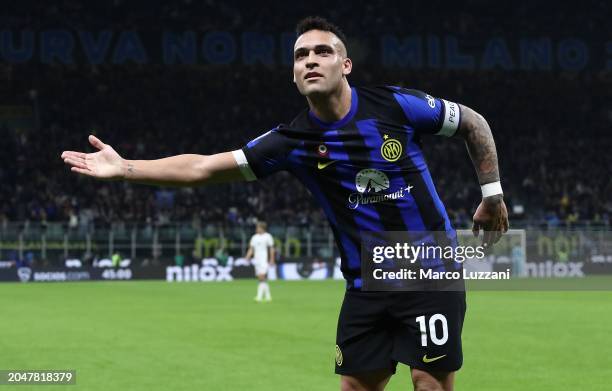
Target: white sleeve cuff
451 118
243 164
491 189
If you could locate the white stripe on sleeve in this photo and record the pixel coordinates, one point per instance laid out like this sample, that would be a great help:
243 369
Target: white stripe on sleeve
243 164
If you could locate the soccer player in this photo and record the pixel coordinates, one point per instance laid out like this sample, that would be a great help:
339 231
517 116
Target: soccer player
358 151
261 250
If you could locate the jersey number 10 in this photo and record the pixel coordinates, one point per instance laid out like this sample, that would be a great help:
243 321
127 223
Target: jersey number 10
433 332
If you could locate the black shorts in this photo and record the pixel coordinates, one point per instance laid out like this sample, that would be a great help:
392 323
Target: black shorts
376 330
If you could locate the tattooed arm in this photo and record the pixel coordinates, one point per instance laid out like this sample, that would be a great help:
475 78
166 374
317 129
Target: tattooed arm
491 215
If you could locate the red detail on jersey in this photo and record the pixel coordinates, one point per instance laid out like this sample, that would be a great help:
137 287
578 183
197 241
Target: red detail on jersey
322 150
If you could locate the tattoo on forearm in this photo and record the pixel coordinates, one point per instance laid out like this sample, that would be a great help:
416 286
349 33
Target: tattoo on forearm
481 146
130 169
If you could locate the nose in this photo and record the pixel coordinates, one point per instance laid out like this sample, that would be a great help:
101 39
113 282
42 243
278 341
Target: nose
311 63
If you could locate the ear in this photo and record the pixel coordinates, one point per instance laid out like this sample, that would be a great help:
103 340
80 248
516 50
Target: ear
347 66
294 77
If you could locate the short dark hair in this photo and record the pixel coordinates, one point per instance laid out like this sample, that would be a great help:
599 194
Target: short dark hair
319 23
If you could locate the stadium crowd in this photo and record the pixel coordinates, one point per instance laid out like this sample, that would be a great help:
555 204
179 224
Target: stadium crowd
551 128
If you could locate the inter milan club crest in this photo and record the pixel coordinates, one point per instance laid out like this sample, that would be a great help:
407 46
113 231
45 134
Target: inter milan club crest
391 149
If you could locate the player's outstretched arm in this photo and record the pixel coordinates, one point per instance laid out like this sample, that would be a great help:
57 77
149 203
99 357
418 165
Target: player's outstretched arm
179 170
491 215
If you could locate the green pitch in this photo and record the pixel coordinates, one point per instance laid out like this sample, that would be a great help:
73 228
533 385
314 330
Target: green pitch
203 336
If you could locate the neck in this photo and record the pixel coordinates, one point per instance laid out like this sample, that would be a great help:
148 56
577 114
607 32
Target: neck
332 107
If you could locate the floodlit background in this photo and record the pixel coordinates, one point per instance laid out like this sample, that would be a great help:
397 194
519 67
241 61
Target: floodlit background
208 76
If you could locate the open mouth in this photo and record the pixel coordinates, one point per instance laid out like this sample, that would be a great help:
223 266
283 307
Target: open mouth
311 75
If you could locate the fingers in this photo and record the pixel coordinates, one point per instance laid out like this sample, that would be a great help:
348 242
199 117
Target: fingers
475 229
487 238
93 140
497 234
80 163
493 232
77 163
76 159
74 154
83 171
501 226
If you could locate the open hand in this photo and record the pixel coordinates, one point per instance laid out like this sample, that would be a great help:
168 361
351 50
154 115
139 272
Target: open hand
104 164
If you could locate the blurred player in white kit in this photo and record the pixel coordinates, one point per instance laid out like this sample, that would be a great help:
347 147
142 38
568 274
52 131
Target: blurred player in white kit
261 251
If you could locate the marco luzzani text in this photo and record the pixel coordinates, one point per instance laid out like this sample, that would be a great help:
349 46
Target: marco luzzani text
404 253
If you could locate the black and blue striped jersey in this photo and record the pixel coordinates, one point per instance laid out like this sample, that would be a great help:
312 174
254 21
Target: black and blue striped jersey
367 171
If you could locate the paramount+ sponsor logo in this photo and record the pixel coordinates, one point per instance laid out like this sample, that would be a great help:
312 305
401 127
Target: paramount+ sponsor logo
372 187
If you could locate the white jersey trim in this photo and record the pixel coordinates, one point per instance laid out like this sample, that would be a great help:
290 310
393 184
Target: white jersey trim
452 117
243 164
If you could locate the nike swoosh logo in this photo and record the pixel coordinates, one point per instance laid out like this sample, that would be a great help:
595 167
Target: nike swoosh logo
321 166
428 360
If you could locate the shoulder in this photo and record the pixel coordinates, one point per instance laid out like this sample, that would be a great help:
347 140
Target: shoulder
381 100
383 91
300 120
275 140
377 89
299 130
392 92
286 133
412 94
